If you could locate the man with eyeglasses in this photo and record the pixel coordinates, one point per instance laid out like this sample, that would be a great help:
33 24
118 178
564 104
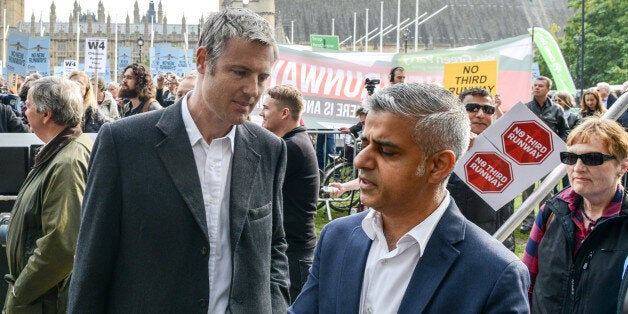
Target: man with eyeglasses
554 117
479 105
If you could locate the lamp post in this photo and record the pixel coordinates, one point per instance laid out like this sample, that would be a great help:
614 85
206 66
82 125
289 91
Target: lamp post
582 51
140 43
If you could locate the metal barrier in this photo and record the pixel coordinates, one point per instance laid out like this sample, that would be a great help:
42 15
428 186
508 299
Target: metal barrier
331 163
551 180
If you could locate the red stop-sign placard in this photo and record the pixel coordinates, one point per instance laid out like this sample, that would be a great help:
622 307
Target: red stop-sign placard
527 142
488 172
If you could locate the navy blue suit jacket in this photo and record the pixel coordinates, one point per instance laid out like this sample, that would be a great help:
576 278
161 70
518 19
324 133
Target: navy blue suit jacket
463 270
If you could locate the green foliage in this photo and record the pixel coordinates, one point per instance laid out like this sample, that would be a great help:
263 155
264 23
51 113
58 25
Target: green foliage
606 48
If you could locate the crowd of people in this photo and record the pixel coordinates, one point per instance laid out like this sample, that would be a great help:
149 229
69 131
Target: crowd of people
184 205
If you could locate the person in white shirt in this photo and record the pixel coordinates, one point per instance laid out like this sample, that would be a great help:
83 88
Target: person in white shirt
413 251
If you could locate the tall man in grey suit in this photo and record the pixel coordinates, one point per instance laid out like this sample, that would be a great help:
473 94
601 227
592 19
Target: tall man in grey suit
182 210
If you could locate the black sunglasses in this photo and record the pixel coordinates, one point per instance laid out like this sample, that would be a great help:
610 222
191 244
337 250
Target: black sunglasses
473 107
589 159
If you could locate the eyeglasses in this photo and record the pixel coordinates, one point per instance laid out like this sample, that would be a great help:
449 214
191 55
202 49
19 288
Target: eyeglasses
473 107
589 159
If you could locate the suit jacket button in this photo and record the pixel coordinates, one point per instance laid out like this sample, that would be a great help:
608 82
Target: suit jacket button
204 250
203 303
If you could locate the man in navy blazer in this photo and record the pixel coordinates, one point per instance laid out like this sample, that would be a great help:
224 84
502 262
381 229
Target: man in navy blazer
413 251
183 206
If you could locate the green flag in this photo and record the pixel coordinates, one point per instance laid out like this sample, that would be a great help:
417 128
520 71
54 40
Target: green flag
548 47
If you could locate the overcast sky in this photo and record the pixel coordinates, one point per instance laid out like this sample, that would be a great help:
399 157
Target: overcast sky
118 9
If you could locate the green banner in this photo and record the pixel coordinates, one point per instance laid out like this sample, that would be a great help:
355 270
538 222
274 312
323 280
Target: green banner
550 52
324 42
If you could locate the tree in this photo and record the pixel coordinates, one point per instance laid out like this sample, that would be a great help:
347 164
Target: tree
606 48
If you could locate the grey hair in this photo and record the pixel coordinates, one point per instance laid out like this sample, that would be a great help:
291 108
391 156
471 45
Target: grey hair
234 23
61 97
441 121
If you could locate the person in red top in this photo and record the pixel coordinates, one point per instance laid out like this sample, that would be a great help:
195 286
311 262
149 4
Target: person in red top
579 241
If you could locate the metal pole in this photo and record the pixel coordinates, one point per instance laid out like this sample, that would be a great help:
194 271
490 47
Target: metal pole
115 55
416 27
582 52
366 32
398 18
333 26
78 35
381 26
355 29
4 37
292 32
551 180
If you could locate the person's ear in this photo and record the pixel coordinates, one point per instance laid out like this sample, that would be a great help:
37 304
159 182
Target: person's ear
440 165
201 60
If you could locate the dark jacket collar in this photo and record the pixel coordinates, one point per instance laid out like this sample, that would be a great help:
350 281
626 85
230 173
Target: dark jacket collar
56 144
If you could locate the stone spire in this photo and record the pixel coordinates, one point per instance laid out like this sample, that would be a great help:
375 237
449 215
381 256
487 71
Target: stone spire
53 17
136 13
160 13
101 12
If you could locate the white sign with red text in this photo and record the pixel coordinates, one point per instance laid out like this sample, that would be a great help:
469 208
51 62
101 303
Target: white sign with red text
509 156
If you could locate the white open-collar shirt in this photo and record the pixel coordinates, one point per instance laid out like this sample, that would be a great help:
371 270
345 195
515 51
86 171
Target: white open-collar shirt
388 273
213 163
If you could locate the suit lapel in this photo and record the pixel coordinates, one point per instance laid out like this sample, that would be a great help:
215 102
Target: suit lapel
439 255
243 171
178 159
352 271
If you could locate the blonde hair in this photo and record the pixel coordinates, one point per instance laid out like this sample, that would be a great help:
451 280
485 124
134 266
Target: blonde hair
89 99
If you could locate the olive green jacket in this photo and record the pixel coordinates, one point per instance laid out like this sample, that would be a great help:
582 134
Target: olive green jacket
42 235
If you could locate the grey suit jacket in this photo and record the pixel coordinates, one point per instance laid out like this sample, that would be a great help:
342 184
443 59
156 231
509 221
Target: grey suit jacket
143 244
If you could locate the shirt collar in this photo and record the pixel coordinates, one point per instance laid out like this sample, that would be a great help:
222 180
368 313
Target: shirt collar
421 233
192 130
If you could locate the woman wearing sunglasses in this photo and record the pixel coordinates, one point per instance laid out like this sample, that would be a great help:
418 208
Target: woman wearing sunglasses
579 241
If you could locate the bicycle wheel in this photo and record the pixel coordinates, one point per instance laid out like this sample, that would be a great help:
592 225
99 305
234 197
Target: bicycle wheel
321 204
342 173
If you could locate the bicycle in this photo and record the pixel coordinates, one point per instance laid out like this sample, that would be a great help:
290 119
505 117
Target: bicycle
339 170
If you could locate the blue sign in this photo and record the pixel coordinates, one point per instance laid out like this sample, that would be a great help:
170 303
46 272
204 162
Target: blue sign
17 53
171 59
124 59
38 55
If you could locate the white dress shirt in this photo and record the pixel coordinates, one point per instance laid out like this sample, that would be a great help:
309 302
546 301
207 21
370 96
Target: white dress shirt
388 273
213 163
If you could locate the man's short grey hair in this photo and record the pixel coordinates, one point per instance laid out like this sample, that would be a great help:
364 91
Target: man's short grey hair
61 97
604 85
441 122
234 23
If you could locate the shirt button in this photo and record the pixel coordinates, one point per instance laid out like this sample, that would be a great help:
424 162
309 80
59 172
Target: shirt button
384 262
203 303
204 250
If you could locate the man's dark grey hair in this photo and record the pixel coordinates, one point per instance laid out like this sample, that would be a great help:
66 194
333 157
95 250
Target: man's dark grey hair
441 122
234 23
61 97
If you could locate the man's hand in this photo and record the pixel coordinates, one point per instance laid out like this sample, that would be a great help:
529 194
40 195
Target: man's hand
344 130
339 189
160 81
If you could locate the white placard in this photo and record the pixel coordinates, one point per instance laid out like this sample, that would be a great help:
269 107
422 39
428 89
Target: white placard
69 66
514 152
95 55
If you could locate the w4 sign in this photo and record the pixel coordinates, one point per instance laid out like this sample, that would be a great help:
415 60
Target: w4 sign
95 54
